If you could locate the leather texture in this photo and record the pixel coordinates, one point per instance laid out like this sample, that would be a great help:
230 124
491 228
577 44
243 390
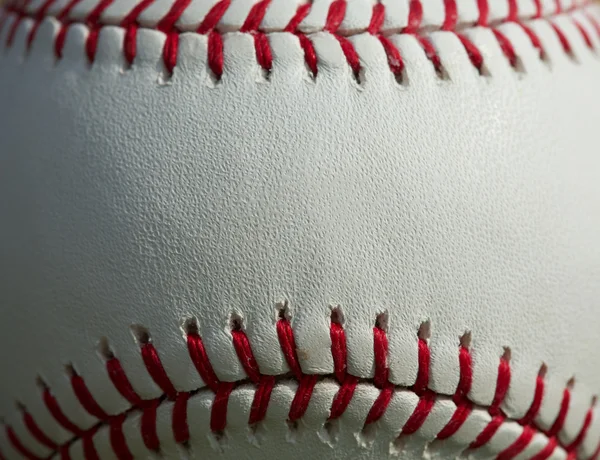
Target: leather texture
131 197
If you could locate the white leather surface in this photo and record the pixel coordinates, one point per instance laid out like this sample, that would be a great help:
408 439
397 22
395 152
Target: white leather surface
128 197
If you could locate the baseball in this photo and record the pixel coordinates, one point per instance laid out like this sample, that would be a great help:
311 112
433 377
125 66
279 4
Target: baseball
295 229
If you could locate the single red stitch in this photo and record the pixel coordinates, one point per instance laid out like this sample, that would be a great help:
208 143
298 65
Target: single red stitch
218 413
258 411
213 17
157 371
338 350
502 384
62 17
380 348
181 432
295 22
518 446
538 396
64 452
377 19
129 23
420 414
562 414
381 404
13 29
335 16
484 13
415 17
86 399
93 23
18 445
215 54
451 18
121 382
168 21
462 412
430 52
118 442
595 24
587 422
562 38
513 11
422 382
507 47
89 449
466 375
201 362
535 40
56 412
547 451
255 16
310 55
37 432
473 52
246 357
302 397
538 9
148 426
285 333
343 397
170 50
586 37
488 432
264 56
394 57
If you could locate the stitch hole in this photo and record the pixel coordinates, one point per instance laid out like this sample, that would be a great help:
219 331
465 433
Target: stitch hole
329 432
283 311
337 316
465 340
367 435
140 334
424 331
236 323
543 371
104 349
382 321
41 383
190 327
70 370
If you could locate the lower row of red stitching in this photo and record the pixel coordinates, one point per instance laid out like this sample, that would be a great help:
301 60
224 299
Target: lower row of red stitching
261 42
265 384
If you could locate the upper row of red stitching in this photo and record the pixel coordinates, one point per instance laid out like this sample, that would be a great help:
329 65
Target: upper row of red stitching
335 16
264 385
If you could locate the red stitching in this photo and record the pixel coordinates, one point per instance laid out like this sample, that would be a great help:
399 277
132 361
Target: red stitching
334 20
306 384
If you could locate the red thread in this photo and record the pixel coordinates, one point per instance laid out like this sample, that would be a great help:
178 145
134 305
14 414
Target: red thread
422 382
381 404
148 426
451 18
466 375
121 382
488 432
502 384
218 414
117 438
380 347
86 399
538 396
506 47
415 17
263 51
586 37
89 450
37 433
288 346
547 451
394 57
58 414
262 396
335 16
295 22
377 19
201 362
310 56
562 415
181 431
157 371
484 13
430 52
513 11
562 38
302 397
343 397
420 414
255 17
474 54
535 40
215 53
338 350
587 422
18 446
245 355
518 446
211 20
463 410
